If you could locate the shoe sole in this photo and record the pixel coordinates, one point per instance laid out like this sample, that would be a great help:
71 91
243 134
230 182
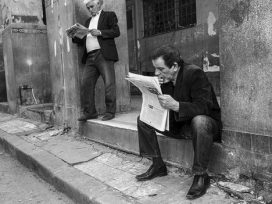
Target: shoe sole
92 118
158 175
105 119
195 197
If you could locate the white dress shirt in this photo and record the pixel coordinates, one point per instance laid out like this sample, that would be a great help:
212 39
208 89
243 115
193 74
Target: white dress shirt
91 41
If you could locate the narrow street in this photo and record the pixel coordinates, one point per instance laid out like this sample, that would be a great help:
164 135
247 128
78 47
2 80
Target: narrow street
19 185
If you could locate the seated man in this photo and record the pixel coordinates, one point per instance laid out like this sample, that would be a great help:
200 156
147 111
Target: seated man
194 113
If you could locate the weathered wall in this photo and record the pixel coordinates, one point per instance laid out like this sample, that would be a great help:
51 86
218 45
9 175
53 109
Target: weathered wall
65 59
198 45
21 11
16 11
26 60
246 75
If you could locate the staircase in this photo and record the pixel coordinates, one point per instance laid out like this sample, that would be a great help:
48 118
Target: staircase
121 133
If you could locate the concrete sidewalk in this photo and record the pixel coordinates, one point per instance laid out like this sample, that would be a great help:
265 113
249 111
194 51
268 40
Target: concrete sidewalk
92 173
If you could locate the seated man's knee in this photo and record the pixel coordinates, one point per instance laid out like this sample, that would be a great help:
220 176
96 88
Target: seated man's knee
199 121
202 123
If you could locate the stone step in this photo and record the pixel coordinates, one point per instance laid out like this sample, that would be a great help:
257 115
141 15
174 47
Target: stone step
121 133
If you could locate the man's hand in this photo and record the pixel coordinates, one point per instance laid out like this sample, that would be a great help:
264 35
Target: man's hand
162 80
71 33
95 32
168 102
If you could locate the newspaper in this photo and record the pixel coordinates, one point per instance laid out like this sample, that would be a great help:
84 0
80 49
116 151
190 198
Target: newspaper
77 30
152 113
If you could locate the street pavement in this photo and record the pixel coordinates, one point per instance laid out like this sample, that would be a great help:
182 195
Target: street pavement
19 185
88 172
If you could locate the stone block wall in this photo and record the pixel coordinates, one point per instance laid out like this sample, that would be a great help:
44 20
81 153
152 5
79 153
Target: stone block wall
246 75
26 59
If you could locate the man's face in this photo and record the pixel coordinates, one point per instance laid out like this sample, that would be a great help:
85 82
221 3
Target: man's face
162 71
93 6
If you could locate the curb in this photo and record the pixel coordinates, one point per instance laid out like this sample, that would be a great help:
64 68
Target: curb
80 187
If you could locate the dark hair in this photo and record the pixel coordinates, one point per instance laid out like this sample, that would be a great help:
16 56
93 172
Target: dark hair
170 54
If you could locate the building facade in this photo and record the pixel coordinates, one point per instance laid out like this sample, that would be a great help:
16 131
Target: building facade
191 25
230 40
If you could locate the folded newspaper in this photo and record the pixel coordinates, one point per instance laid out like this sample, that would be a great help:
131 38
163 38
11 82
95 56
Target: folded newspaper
152 113
77 30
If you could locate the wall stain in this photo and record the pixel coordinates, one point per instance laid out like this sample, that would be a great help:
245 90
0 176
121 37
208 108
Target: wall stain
260 49
252 93
270 109
240 12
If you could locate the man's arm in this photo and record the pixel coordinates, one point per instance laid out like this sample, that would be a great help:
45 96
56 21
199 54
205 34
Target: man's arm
78 40
113 30
201 98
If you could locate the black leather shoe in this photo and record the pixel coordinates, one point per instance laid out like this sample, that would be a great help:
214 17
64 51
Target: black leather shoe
108 116
199 186
86 117
152 172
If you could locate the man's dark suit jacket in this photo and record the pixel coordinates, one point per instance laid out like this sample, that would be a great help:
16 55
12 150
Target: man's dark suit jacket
195 95
108 25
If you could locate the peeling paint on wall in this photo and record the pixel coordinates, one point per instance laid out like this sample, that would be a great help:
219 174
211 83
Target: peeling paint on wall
270 109
61 36
240 12
211 21
55 48
24 19
215 55
29 11
68 45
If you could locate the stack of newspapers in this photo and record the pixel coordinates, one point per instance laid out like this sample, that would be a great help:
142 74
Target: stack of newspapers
152 113
77 30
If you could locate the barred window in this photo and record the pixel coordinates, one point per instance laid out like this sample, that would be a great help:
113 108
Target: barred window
161 16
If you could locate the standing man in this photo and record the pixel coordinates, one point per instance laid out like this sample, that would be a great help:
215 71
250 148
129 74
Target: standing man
194 114
99 57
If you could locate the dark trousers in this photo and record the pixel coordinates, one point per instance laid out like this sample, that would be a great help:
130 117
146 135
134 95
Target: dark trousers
96 65
203 130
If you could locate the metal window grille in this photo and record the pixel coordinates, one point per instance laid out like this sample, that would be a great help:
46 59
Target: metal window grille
129 19
161 16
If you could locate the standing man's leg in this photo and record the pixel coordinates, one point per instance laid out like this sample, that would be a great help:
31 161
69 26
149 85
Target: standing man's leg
106 69
204 131
89 79
149 147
